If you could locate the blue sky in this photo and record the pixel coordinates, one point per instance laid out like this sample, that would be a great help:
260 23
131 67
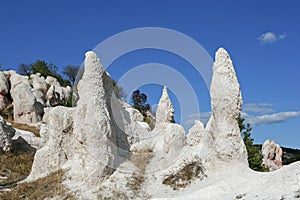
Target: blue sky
262 37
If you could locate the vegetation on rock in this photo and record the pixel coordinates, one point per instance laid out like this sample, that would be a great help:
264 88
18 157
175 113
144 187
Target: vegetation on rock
185 176
71 72
254 152
45 69
138 101
119 91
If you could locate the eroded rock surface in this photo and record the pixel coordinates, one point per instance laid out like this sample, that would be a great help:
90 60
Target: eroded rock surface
4 90
165 110
226 102
85 140
272 153
6 135
26 109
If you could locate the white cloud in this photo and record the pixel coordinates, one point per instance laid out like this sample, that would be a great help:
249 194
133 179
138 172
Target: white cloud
271 119
281 36
270 37
252 119
260 108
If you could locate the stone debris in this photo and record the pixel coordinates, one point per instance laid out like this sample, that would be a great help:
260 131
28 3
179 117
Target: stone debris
272 153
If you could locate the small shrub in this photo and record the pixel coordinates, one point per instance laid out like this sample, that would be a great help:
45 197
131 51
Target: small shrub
149 121
185 176
8 112
69 102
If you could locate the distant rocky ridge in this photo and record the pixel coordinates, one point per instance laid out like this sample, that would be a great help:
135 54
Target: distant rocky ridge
108 152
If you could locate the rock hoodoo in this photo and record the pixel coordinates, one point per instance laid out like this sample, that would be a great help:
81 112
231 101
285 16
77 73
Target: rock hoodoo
226 102
165 110
85 140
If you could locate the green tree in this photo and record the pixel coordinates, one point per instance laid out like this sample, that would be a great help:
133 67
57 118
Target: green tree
71 72
138 101
45 69
24 69
254 152
119 91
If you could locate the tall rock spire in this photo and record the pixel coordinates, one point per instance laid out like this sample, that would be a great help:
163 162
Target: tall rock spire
165 110
226 102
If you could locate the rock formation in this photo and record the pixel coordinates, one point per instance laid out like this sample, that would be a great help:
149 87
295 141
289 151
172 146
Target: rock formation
6 134
29 96
26 109
272 153
39 82
85 140
166 135
226 102
196 134
4 90
57 95
96 133
165 110
132 123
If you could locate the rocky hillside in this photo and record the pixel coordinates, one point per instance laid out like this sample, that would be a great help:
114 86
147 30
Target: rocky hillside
289 156
25 99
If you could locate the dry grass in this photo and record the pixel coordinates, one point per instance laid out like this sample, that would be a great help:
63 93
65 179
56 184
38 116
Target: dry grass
185 176
47 187
25 127
141 158
16 165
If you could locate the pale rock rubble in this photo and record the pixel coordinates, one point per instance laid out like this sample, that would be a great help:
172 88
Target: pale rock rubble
272 153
